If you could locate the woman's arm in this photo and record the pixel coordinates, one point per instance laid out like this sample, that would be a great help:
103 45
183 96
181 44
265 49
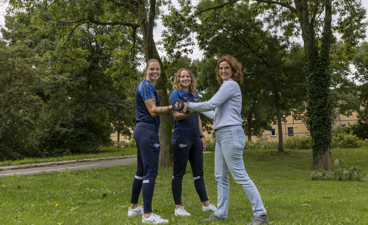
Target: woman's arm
226 91
180 116
156 110
209 114
203 139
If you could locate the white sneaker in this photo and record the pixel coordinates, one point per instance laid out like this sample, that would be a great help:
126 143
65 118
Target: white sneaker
181 212
136 211
154 219
210 207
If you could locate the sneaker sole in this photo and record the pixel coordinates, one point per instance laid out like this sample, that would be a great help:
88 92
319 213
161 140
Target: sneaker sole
149 222
181 215
134 214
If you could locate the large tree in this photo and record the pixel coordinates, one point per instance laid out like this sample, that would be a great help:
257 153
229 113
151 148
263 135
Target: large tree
20 82
137 18
273 82
312 19
315 23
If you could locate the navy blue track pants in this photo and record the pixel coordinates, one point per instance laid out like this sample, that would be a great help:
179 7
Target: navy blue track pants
184 150
148 151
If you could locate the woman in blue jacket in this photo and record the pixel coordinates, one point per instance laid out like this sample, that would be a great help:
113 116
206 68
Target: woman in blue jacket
147 111
187 142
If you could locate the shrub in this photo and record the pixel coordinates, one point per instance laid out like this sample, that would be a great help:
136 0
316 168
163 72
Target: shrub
210 145
319 175
341 172
261 143
352 173
359 129
8 153
341 139
125 144
297 142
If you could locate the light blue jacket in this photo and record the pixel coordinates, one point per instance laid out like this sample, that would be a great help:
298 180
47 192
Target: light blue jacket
226 103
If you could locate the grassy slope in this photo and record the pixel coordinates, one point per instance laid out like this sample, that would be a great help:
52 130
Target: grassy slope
102 196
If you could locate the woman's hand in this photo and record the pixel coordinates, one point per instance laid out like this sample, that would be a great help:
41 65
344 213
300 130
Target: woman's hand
203 143
185 109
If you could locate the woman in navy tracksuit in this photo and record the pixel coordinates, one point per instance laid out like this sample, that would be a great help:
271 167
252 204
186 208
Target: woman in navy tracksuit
147 110
188 143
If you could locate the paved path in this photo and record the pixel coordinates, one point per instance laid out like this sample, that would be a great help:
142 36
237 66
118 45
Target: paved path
59 166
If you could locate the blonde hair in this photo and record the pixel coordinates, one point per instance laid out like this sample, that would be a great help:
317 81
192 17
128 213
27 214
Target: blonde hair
236 68
193 82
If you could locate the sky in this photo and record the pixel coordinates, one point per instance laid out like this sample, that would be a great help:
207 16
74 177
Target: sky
197 54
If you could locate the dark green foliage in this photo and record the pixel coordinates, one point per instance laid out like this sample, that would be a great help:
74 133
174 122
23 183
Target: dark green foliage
273 82
359 129
81 94
319 111
8 153
20 82
73 133
344 138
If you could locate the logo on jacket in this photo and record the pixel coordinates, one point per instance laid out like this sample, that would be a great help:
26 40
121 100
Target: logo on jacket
196 99
182 145
156 145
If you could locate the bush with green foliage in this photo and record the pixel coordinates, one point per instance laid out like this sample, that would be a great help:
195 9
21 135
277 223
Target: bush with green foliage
125 144
341 172
359 129
342 139
296 142
261 143
72 131
210 145
321 174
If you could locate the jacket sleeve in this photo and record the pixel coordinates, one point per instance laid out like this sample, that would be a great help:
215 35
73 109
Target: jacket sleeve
226 91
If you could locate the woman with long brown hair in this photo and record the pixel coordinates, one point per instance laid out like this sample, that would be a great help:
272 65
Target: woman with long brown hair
187 142
225 109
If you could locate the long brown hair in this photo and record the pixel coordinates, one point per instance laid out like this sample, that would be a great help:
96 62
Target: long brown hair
193 82
236 68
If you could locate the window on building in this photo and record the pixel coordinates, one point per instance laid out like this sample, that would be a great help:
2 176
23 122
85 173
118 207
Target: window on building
290 131
343 126
273 132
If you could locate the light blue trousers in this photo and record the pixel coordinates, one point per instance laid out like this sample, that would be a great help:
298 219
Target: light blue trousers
229 156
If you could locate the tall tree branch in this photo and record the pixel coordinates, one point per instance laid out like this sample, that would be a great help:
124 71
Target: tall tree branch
151 16
292 9
215 7
133 25
315 11
327 30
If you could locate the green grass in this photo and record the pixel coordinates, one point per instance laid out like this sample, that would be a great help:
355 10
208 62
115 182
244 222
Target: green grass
101 196
105 152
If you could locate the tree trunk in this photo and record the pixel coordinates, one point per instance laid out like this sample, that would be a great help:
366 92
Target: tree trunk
279 127
249 133
324 161
166 126
150 52
319 108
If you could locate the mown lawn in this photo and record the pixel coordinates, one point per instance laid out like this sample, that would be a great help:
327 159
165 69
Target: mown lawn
101 196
